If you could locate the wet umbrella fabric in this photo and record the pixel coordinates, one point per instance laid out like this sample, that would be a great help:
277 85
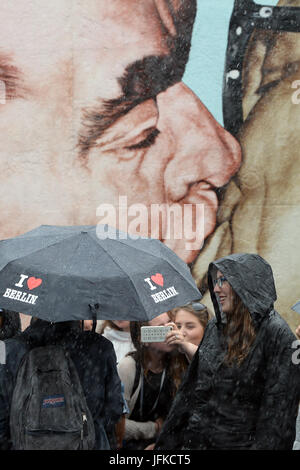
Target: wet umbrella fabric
56 274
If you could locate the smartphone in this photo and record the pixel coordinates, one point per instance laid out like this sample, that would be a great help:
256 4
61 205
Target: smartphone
154 334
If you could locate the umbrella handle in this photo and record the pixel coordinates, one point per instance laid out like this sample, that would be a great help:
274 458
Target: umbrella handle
93 309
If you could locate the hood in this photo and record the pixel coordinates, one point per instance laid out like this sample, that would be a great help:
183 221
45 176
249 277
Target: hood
11 325
251 277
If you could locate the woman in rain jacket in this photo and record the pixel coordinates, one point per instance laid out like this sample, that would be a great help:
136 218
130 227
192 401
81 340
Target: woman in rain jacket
242 389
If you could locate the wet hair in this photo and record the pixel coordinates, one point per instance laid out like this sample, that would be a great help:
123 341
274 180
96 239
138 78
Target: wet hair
239 332
199 310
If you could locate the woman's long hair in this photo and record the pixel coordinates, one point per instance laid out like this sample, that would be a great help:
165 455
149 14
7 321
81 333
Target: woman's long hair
239 333
174 362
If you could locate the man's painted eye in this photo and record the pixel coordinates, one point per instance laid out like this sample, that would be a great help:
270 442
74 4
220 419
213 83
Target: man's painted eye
150 139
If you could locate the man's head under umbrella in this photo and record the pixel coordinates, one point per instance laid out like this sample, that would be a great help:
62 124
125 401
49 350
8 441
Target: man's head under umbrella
95 109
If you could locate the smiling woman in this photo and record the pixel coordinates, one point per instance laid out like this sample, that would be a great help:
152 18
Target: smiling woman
242 382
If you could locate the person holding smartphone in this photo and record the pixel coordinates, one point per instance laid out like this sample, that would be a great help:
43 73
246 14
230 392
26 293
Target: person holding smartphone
151 376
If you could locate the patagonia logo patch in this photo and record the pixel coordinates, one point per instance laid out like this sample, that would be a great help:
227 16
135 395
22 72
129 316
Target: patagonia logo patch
53 401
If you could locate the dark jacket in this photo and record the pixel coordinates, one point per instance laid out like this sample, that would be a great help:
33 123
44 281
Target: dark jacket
11 324
95 361
253 406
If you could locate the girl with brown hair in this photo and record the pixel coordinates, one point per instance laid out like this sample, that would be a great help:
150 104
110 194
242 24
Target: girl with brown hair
118 332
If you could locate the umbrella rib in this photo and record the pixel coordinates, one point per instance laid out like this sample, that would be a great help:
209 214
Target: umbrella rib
141 301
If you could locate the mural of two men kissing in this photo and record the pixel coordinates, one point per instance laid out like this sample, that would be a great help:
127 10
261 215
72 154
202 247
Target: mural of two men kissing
96 115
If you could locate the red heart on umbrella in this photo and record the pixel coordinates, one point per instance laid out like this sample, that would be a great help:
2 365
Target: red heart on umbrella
158 279
33 282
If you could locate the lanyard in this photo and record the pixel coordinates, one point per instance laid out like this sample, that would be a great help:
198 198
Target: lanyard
163 375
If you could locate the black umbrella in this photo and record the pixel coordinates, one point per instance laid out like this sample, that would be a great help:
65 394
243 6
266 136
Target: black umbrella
74 273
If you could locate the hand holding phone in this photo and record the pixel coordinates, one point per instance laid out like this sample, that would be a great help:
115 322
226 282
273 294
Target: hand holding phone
154 334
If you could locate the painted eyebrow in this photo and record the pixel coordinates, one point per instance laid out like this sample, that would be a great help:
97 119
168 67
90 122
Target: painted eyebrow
12 78
142 80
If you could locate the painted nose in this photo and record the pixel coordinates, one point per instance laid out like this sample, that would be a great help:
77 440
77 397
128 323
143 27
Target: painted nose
203 151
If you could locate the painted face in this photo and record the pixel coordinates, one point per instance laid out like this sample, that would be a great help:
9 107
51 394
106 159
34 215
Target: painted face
160 320
189 326
224 293
96 111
